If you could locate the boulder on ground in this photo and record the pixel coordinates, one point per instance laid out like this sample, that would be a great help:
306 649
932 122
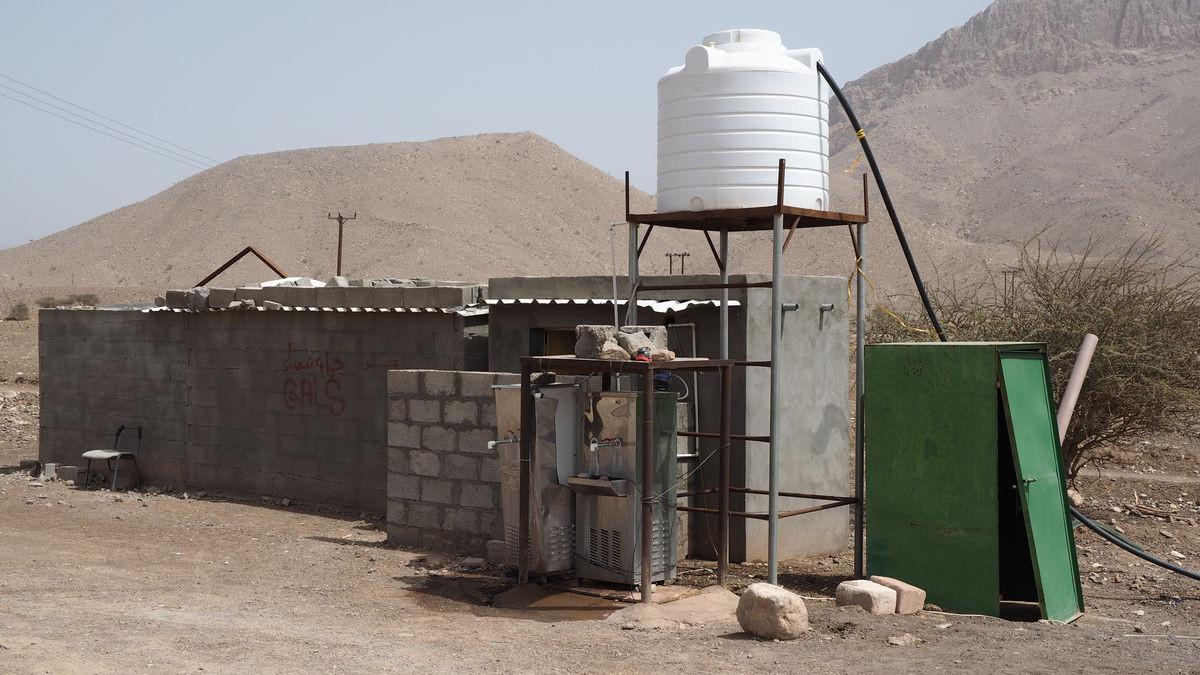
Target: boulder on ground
909 598
772 612
873 597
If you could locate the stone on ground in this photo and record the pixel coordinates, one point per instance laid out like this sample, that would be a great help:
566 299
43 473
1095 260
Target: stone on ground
869 595
772 612
909 598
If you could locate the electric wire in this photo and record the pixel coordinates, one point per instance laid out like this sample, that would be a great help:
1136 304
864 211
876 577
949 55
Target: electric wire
109 119
188 162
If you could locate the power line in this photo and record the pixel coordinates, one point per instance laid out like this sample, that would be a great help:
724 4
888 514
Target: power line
88 121
192 163
119 123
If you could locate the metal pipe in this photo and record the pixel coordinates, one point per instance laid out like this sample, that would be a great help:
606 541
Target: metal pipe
776 339
631 309
527 435
723 498
1075 383
724 353
647 484
860 372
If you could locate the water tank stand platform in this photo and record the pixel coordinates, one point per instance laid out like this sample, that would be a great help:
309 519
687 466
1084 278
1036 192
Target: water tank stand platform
757 218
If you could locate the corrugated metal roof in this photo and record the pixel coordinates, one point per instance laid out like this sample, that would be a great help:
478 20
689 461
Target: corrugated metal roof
659 306
461 311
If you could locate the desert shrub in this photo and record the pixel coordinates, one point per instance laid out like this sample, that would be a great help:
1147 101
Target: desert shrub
83 299
1144 306
49 301
19 312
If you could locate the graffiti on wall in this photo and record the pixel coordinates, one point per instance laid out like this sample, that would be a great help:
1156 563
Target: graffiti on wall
311 382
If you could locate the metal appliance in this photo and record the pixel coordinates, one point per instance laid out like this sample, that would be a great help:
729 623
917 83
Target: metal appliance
608 503
551 503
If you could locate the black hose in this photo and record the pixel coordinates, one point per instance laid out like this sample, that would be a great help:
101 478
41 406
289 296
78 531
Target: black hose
887 201
912 266
1141 554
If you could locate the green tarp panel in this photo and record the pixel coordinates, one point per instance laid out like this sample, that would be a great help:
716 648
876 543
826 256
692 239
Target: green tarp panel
1037 457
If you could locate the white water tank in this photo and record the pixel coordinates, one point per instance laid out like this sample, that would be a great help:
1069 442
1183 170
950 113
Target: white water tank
740 102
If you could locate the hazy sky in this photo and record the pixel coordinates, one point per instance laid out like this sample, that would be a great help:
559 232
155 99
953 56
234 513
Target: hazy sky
225 79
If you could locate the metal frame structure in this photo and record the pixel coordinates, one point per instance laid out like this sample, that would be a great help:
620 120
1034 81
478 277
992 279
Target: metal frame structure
763 218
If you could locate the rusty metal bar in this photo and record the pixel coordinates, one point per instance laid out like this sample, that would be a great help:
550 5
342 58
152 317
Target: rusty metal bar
239 256
761 516
527 434
713 248
645 238
736 437
647 484
797 495
700 287
779 189
762 364
627 194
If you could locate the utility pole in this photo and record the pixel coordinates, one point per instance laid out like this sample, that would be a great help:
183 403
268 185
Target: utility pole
671 261
341 220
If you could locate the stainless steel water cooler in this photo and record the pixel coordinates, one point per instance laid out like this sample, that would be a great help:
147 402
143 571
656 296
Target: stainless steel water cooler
608 486
551 503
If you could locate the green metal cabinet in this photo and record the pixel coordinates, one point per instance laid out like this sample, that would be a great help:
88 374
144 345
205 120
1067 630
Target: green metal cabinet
964 486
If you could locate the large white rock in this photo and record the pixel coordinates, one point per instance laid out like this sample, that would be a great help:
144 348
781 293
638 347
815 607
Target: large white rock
873 597
772 612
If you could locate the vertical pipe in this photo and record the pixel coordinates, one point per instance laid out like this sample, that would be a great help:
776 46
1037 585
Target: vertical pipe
1071 394
726 451
634 276
860 341
724 294
776 339
647 493
341 222
527 436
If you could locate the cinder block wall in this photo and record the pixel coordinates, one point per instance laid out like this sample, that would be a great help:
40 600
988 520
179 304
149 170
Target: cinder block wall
288 404
99 370
443 487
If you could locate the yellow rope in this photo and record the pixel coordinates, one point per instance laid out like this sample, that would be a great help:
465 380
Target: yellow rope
856 160
875 294
861 134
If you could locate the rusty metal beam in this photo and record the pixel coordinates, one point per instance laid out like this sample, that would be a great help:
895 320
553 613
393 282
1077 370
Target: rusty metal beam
239 256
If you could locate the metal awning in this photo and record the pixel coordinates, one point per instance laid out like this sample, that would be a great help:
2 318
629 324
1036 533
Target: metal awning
658 306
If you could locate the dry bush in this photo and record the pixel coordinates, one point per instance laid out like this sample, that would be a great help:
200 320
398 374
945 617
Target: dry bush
1144 306
19 312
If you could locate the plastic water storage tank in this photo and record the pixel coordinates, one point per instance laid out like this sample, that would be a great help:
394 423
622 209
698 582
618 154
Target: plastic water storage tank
740 102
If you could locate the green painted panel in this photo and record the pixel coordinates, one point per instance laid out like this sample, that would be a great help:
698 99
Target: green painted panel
932 424
1039 469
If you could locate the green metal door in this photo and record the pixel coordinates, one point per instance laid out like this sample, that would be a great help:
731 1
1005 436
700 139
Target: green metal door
1025 388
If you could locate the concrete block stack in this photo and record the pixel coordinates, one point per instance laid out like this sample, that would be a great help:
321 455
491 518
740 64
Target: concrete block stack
443 480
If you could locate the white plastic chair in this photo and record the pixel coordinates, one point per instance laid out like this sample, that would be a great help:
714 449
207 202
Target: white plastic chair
113 458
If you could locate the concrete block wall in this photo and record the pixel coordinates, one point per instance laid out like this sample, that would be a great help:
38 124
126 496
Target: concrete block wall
99 370
288 404
443 487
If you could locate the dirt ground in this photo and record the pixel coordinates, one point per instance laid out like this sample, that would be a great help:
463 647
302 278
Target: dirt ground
161 580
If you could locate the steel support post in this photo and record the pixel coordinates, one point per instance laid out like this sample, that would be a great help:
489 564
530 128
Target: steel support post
860 341
725 451
634 276
647 484
527 435
776 340
724 294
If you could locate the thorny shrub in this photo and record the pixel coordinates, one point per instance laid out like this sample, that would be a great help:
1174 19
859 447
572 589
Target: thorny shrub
1144 306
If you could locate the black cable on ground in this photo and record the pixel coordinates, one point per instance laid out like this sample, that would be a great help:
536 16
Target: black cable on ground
912 266
1141 554
887 201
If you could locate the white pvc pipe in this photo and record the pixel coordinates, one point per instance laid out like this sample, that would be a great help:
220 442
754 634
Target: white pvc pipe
1070 397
